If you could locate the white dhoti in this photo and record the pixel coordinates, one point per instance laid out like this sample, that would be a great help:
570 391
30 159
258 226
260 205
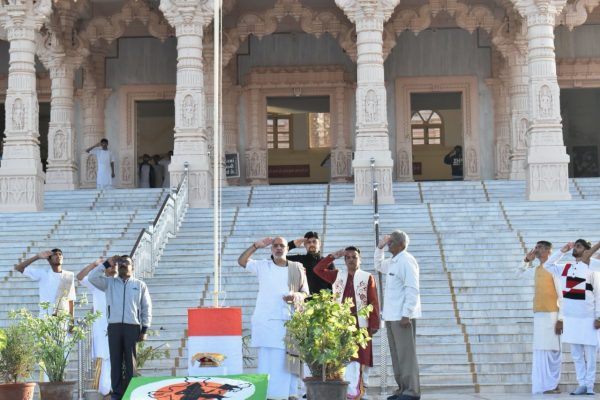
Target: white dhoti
353 375
282 384
546 362
100 350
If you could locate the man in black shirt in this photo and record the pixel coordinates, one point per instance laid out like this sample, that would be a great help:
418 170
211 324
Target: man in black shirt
311 242
455 160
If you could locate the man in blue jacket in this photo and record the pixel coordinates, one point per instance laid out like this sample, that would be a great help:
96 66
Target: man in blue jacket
129 314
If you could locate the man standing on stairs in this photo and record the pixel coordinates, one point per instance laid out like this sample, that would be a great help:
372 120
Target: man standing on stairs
312 244
401 308
105 164
547 322
359 286
129 314
100 350
581 311
56 286
281 287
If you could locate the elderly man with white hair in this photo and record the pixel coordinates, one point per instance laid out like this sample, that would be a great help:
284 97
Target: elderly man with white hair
401 308
281 285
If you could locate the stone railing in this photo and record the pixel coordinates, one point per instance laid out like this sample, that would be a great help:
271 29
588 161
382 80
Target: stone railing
151 241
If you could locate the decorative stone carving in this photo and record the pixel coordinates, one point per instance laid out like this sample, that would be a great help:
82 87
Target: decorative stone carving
127 170
371 109
472 162
404 164
545 101
59 145
91 168
188 111
18 115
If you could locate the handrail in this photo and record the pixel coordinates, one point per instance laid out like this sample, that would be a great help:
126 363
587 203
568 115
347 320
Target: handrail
151 241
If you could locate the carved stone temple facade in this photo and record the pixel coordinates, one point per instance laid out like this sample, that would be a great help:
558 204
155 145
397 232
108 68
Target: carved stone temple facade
301 79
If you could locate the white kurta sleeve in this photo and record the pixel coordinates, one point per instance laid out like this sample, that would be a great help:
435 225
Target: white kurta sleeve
410 270
526 269
35 273
380 263
551 264
595 265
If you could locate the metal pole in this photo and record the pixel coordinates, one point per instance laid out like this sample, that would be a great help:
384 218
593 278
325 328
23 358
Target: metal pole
216 149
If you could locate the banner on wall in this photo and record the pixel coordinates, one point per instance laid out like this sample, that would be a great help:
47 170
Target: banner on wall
230 387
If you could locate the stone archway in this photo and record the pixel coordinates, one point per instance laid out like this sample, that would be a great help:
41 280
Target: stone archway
262 82
467 87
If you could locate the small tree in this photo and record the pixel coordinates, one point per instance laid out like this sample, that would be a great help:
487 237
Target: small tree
145 352
55 337
326 334
17 353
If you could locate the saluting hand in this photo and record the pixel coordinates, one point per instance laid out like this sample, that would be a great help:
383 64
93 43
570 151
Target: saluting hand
338 254
384 241
43 254
299 242
263 242
567 247
530 256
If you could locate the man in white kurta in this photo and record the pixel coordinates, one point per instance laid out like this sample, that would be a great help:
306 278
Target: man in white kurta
547 322
105 164
100 348
277 292
56 286
581 293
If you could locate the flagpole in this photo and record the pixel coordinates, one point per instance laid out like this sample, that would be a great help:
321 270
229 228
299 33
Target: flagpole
216 151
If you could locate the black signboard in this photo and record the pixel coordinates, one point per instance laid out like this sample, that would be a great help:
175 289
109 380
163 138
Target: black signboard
232 165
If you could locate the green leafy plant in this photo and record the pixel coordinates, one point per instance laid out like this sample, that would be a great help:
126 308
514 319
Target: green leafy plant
55 337
147 353
17 353
326 335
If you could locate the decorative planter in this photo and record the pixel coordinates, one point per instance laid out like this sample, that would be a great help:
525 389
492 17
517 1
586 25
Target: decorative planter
17 391
56 390
330 390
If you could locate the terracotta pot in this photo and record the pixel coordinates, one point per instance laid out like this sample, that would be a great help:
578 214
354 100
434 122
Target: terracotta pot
56 390
330 390
17 391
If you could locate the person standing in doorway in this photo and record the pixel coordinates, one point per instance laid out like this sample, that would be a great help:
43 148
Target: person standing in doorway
164 163
455 160
105 162
159 174
146 173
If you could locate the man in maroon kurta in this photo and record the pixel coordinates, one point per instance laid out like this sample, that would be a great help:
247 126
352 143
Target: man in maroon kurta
359 286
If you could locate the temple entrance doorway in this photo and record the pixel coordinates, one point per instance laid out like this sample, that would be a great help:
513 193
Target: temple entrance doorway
580 119
155 122
436 127
298 139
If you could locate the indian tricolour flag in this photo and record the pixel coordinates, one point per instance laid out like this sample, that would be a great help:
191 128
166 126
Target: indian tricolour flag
215 331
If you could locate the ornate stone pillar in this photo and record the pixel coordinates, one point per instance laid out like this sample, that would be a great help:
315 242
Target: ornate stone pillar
547 160
341 153
371 106
256 150
21 174
61 172
93 98
518 94
191 145
501 120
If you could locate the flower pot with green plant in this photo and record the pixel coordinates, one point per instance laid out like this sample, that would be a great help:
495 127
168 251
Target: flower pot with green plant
17 361
326 336
55 338
146 352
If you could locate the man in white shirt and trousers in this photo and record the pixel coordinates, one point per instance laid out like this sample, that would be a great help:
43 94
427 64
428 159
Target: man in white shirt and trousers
100 350
401 308
581 310
547 321
105 164
282 284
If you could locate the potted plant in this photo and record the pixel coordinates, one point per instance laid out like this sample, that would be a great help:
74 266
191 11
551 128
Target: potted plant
145 352
55 337
326 336
17 361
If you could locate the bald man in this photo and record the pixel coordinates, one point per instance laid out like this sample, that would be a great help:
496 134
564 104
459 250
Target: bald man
281 285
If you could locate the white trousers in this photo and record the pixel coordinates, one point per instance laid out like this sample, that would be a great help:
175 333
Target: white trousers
584 357
104 386
282 384
545 371
352 375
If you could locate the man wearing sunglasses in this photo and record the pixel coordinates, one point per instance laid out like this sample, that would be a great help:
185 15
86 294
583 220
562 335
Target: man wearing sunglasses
129 314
